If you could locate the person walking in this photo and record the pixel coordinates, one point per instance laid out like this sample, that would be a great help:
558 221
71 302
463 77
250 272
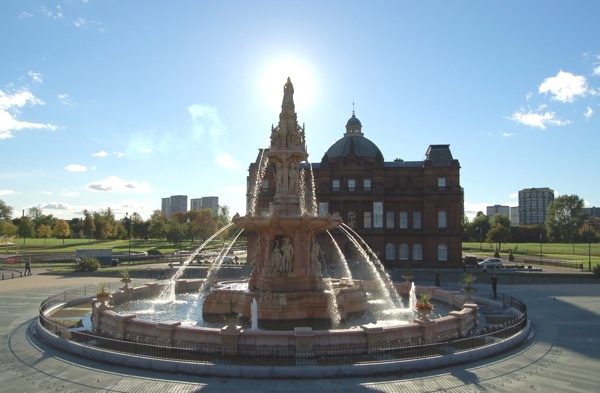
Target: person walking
437 279
494 280
28 267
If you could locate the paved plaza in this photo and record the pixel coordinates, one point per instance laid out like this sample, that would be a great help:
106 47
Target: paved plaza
562 355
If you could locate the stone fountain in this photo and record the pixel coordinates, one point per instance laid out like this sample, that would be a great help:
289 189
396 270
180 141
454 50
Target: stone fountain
286 278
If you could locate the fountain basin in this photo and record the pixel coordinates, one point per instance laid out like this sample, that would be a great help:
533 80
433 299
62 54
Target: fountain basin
358 339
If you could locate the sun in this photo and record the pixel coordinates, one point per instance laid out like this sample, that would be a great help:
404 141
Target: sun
274 78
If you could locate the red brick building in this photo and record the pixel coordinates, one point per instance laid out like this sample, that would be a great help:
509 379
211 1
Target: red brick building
409 213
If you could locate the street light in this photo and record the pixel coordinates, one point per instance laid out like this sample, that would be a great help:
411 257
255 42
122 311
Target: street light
590 242
128 223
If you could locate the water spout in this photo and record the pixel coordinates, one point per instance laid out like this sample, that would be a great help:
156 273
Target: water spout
254 314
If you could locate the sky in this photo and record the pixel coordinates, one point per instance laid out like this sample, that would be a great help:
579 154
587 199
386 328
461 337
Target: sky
117 104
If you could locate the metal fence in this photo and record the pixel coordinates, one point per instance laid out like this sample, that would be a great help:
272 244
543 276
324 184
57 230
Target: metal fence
140 346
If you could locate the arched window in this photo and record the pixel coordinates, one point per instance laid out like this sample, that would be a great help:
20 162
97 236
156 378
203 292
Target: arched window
390 253
417 252
442 252
403 252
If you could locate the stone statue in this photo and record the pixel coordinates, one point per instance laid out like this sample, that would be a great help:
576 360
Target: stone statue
279 176
294 177
288 254
288 93
276 261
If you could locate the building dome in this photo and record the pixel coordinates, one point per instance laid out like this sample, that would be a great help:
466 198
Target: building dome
354 143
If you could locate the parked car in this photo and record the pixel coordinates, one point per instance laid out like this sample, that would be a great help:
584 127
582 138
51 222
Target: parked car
490 263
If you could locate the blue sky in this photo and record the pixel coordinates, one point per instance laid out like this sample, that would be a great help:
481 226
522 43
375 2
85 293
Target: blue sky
120 103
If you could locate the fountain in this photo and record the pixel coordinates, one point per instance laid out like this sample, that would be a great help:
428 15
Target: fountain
286 278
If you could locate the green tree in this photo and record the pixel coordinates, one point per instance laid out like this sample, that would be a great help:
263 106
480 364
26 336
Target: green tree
44 232
25 228
7 228
61 230
157 226
106 226
89 228
479 227
5 211
564 217
500 230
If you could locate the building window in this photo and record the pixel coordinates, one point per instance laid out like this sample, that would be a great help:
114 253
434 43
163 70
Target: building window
367 184
417 220
441 219
377 214
367 220
351 185
265 184
442 252
417 252
323 208
390 252
389 220
335 185
403 220
403 252
352 219
441 183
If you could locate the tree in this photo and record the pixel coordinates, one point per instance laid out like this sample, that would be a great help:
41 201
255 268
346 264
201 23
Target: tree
479 227
564 216
61 230
5 211
89 228
25 228
500 232
157 225
7 228
44 231
204 224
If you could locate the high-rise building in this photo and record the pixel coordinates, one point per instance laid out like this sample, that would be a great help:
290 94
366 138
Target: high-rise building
210 202
174 204
491 211
533 205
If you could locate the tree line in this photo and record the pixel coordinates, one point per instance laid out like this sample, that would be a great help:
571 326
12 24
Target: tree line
102 225
566 222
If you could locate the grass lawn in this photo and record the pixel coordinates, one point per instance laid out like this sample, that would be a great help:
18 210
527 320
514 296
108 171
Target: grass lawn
578 252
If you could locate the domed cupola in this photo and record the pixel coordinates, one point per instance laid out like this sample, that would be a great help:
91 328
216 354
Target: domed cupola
353 126
354 143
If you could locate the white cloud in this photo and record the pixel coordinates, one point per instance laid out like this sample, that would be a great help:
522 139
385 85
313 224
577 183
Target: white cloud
116 184
507 134
588 113
224 160
564 87
75 168
65 99
101 153
8 192
51 14
597 71
206 121
537 120
9 109
36 77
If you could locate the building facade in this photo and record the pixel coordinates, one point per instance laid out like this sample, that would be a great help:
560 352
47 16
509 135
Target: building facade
533 205
491 211
409 213
211 202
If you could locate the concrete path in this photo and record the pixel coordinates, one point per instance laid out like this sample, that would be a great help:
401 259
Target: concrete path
562 356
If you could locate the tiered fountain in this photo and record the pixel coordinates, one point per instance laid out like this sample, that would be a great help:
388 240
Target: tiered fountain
286 279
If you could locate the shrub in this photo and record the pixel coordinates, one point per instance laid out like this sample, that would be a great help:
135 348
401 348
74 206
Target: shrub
87 264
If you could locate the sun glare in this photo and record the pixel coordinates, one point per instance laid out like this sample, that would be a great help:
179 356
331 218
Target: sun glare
275 76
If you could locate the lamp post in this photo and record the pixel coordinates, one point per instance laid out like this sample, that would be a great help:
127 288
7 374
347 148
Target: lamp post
541 232
480 247
590 242
128 223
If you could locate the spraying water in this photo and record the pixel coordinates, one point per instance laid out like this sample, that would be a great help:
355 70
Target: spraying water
260 174
343 264
254 314
168 292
